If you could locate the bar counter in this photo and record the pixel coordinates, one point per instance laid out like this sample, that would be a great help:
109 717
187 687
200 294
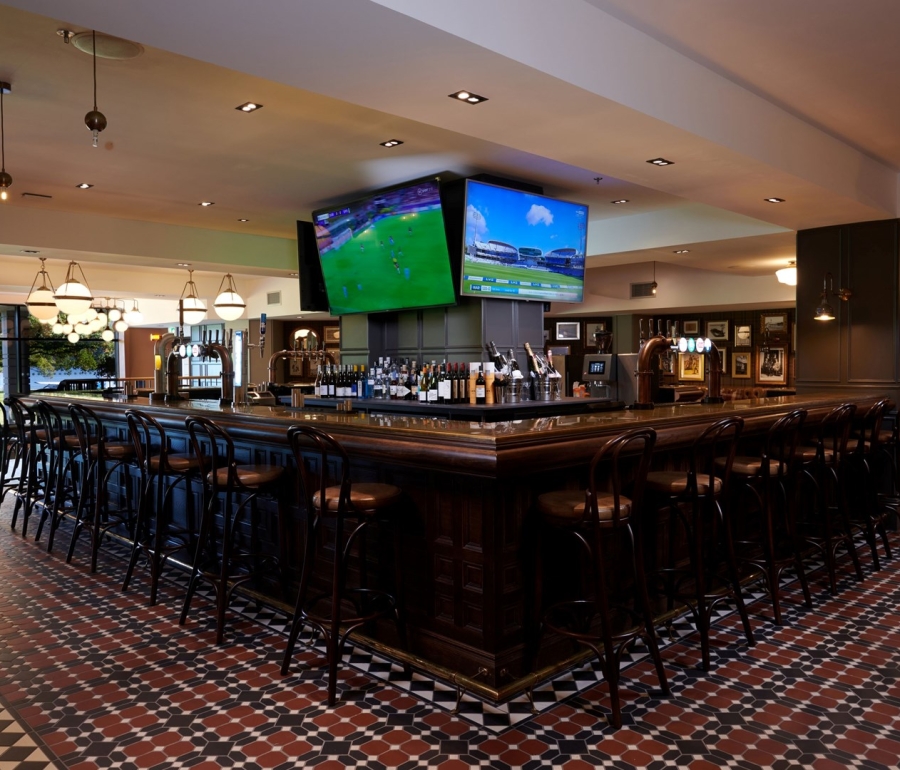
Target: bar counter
469 489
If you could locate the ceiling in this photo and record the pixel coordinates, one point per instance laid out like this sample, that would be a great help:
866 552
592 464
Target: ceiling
750 100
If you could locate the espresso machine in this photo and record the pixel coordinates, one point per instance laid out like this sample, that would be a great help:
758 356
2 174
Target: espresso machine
599 374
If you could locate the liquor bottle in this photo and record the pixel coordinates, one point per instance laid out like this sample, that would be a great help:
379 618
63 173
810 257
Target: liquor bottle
378 385
410 394
393 378
354 382
480 388
402 388
370 382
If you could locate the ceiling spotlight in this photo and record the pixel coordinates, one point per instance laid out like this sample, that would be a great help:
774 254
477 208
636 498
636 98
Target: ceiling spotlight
183 264
468 97
391 143
243 220
682 251
294 275
84 186
95 120
248 107
207 203
660 162
621 200
774 200
5 179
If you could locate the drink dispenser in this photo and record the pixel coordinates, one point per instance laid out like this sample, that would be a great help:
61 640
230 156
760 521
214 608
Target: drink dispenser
599 373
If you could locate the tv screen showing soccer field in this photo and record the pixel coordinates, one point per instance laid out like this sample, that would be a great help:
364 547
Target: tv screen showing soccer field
520 245
387 251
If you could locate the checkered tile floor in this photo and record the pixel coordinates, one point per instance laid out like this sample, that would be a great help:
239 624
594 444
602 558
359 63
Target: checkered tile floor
93 678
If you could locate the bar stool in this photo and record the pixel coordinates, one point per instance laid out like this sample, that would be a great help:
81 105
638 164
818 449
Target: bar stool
824 519
869 509
31 439
155 531
238 557
694 500
100 458
597 521
325 490
12 453
774 543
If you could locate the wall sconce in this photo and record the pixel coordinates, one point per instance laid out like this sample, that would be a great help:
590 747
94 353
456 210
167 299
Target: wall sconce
824 311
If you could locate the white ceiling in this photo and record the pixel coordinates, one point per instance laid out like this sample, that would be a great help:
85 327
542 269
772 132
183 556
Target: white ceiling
750 100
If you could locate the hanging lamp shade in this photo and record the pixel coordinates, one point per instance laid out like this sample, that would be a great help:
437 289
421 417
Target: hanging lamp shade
229 305
787 275
73 296
191 307
41 303
134 316
95 120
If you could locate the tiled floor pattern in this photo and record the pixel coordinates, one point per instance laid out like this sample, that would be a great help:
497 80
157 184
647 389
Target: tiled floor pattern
102 680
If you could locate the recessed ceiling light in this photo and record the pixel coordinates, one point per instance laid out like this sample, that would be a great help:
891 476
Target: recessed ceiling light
183 264
207 203
774 200
84 186
660 162
391 143
248 107
468 97
294 275
621 200
682 251
243 220
30 251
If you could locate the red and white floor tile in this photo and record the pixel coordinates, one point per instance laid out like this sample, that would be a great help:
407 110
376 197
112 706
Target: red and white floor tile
93 678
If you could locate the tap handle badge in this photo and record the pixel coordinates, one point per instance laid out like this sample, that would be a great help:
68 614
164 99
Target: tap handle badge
262 333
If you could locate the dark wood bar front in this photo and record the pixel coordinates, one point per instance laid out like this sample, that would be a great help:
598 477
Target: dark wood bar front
469 490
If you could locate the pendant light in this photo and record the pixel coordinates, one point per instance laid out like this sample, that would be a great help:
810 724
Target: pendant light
787 275
73 296
95 120
229 305
191 307
5 179
134 316
654 286
40 301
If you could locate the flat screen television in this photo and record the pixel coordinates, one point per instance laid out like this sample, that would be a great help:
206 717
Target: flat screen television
386 251
520 245
313 298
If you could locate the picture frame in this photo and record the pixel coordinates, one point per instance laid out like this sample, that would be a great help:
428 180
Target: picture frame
743 336
771 365
296 366
717 331
691 366
774 324
690 327
332 335
568 330
726 360
740 365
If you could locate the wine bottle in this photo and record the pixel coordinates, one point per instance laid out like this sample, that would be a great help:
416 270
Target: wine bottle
480 388
497 357
433 384
317 388
423 385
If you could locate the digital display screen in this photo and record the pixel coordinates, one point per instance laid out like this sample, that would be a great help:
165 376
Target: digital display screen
597 367
387 251
520 245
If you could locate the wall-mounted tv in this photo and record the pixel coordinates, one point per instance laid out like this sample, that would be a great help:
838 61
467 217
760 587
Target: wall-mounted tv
386 251
520 245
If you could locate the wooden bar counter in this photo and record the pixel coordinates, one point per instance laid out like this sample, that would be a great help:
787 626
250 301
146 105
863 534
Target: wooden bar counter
469 492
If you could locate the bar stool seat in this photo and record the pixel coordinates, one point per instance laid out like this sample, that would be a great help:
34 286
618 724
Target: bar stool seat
247 475
366 498
567 507
173 463
678 482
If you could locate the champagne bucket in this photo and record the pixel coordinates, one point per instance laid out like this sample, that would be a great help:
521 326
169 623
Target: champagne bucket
543 388
555 388
514 391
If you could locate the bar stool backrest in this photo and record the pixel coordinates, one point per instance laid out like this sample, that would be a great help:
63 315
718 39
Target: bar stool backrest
871 427
46 418
89 430
321 463
712 455
21 416
147 437
781 446
834 435
630 451
214 449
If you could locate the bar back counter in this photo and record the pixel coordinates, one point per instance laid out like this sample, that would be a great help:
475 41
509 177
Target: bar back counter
469 490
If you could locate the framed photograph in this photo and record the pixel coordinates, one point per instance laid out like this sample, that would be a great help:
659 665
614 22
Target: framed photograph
743 337
740 365
690 366
691 327
724 355
568 330
717 331
776 324
332 335
771 366
296 367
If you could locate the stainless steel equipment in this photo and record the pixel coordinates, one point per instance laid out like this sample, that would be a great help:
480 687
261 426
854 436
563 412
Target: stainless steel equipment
601 375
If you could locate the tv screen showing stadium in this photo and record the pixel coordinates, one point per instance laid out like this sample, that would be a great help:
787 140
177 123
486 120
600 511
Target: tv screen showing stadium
387 251
520 245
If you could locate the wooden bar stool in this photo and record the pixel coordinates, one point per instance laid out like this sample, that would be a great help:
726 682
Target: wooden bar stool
824 519
230 490
30 439
155 532
604 522
772 543
325 491
100 458
693 499
12 452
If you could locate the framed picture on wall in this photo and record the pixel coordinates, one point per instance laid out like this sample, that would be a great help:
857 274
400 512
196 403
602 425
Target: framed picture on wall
296 367
771 365
775 325
740 365
690 366
717 331
691 327
726 360
743 337
332 335
568 330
